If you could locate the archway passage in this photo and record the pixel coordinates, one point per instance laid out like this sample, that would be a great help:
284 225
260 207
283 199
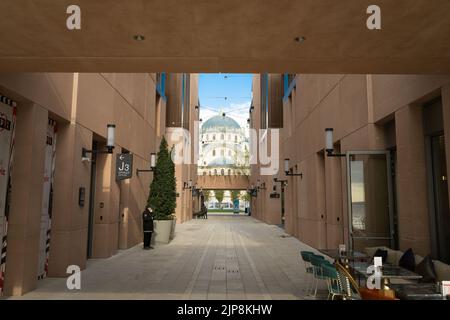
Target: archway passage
227 36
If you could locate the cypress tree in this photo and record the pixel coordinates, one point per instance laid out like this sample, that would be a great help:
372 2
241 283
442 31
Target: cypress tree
162 197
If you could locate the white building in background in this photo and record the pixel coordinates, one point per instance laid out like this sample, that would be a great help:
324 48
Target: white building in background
224 148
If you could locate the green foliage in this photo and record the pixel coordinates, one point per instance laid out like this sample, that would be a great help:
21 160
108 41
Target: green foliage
206 195
235 195
219 195
246 197
162 197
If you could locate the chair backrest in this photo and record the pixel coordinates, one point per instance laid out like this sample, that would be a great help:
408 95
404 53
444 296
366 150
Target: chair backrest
330 271
306 255
347 282
317 261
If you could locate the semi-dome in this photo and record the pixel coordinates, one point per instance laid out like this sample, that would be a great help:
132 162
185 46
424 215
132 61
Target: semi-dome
221 162
220 121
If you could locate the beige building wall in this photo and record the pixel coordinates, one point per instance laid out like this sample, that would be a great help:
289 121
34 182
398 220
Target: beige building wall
185 170
358 108
82 105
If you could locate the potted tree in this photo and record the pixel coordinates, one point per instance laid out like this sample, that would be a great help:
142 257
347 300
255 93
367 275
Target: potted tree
219 196
162 197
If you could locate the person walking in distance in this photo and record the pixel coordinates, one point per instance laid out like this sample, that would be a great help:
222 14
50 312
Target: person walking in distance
147 223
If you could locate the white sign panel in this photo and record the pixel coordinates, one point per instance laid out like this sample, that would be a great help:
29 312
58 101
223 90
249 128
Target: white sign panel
47 200
6 137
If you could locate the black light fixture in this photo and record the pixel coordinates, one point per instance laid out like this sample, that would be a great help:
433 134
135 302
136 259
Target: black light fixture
300 39
283 182
139 37
196 107
110 138
329 147
152 164
253 191
288 171
187 185
248 121
260 186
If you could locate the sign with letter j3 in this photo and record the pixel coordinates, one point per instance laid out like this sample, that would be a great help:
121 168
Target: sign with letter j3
124 166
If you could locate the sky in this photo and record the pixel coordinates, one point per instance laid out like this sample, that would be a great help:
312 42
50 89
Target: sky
237 88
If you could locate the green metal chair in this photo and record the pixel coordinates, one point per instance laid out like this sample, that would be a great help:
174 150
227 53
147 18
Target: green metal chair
333 283
306 257
317 261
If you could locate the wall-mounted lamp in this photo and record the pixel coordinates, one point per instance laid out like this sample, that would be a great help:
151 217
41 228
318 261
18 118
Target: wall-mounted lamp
329 147
253 191
252 108
283 182
288 171
248 121
110 137
201 120
261 186
196 107
152 164
187 185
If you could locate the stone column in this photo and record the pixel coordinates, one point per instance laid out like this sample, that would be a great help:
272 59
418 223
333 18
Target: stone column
413 215
26 200
446 120
68 242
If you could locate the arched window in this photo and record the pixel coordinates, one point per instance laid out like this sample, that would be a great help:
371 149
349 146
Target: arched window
204 173
222 172
229 172
214 153
235 138
209 172
215 172
214 137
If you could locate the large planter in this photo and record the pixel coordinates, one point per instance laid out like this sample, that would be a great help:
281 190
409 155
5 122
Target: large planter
162 231
172 232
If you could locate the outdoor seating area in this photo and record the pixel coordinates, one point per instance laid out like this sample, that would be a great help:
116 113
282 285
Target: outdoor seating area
347 277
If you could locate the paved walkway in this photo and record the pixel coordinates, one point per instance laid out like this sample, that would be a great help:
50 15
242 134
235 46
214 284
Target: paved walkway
223 257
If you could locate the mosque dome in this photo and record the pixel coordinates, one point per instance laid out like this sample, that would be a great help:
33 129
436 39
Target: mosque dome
220 122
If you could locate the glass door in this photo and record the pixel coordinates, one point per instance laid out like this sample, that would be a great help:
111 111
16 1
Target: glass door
370 199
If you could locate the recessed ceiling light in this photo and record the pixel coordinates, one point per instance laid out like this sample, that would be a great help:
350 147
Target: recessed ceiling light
300 39
139 37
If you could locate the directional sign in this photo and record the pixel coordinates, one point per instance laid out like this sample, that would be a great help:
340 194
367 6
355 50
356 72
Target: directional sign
124 166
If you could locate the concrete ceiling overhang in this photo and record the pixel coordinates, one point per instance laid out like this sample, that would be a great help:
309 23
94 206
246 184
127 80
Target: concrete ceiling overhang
226 36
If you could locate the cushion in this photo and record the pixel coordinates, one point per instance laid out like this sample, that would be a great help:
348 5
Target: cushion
426 270
418 259
381 253
394 257
370 251
408 260
442 270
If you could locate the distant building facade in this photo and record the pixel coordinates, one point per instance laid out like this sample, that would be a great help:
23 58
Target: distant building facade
223 148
